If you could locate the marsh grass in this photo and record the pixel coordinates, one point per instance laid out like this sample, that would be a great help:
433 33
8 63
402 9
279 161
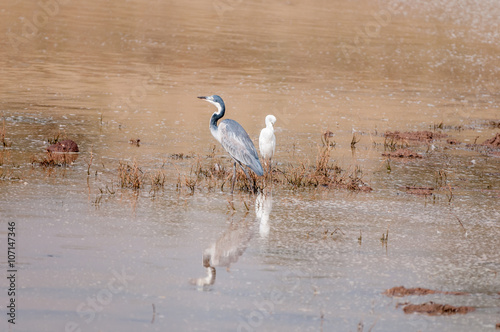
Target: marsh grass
54 159
355 140
5 143
157 181
105 193
324 174
393 143
440 178
385 237
326 139
131 179
295 176
191 184
59 136
130 176
442 126
89 161
441 182
178 156
494 124
8 175
212 172
3 156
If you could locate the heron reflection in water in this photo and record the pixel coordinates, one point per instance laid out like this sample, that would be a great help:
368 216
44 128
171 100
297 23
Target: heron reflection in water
226 250
232 244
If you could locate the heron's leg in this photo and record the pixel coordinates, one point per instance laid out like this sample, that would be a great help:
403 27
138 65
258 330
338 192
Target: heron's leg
248 177
234 177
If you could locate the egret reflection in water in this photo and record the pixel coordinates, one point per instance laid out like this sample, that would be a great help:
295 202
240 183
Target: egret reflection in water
263 208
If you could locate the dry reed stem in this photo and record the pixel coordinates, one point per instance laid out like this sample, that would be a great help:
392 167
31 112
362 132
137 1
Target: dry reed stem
130 176
3 132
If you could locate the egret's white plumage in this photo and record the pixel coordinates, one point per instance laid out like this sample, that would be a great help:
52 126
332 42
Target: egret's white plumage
267 140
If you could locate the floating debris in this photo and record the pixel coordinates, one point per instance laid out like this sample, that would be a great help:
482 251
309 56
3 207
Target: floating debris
135 141
325 138
402 153
421 136
435 309
66 145
179 156
401 291
493 142
419 190
61 153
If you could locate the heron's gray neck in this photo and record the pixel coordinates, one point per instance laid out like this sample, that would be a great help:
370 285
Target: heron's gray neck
213 121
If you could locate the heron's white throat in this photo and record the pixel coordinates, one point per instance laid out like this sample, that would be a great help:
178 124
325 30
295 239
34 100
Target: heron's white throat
219 107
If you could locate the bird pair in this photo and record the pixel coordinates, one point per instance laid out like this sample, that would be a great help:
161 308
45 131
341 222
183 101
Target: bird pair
235 140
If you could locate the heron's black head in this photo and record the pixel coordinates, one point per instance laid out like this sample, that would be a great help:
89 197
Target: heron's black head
216 100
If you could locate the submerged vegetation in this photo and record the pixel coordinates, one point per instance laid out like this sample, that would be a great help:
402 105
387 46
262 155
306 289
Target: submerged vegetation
60 152
211 172
51 159
322 174
3 132
130 176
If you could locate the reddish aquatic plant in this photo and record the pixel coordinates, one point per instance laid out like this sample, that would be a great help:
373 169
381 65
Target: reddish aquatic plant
435 309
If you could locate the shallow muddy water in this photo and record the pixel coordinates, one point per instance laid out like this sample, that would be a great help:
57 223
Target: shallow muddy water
91 256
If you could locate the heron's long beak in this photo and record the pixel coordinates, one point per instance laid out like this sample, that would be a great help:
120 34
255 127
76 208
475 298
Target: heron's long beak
202 97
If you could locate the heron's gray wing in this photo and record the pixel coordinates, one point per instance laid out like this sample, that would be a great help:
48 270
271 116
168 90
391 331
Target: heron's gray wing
239 145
